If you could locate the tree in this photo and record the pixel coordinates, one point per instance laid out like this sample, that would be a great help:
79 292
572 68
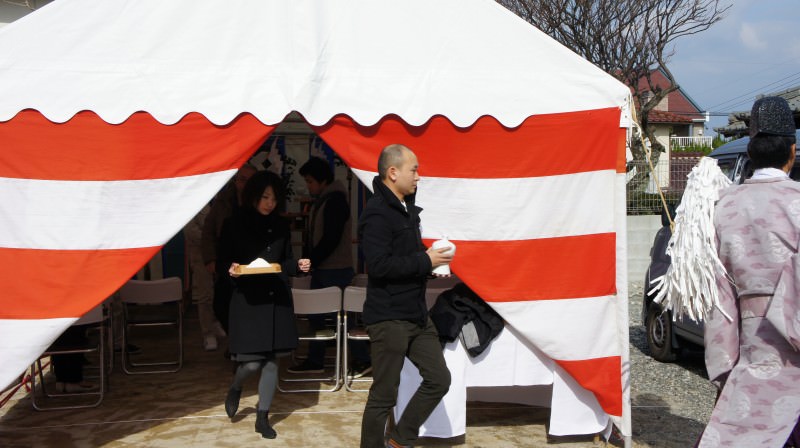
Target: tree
628 39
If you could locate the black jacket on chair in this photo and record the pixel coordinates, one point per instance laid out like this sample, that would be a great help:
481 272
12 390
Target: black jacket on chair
397 265
459 306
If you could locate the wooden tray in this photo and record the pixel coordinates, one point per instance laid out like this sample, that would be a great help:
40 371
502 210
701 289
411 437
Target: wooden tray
244 269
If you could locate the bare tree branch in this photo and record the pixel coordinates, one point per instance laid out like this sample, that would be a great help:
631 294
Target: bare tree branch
628 39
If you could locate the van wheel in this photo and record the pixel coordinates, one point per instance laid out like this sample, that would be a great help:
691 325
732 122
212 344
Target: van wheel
659 334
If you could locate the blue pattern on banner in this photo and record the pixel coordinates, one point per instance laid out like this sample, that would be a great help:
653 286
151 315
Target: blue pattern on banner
273 162
318 148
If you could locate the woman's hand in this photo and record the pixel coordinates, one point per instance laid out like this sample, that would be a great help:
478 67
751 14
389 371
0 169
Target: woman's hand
232 270
304 264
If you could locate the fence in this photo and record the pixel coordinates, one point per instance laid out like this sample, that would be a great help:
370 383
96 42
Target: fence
670 178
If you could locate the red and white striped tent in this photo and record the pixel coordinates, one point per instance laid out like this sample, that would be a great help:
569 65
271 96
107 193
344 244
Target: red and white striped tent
119 119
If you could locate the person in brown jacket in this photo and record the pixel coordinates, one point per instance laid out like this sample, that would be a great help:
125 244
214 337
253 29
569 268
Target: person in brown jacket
330 248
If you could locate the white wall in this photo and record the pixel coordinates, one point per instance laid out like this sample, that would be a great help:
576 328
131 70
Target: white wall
641 231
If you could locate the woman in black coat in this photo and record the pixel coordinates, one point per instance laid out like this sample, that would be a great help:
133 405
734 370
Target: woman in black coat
262 323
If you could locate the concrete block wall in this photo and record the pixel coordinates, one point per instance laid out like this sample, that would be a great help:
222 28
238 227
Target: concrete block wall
641 231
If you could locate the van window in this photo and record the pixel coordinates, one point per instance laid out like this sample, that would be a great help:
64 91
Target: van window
727 165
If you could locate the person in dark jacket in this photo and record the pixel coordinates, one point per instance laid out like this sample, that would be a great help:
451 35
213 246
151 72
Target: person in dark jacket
228 200
262 322
330 246
395 312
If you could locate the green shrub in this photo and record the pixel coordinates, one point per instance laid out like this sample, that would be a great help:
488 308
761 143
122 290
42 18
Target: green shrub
693 148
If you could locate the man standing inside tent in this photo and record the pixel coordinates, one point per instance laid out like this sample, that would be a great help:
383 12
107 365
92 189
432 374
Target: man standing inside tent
330 250
395 311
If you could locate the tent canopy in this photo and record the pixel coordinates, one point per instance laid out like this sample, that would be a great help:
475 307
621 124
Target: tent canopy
120 119
364 59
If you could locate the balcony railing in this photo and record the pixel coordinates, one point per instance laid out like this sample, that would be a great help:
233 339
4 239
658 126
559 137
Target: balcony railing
687 142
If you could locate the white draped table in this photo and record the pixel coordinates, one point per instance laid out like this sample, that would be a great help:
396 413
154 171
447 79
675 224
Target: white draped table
509 371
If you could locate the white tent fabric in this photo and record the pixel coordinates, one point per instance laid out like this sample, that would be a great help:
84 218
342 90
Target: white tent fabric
317 58
368 60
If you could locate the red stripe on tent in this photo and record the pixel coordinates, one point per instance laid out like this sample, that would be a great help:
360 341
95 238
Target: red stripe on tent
542 145
43 284
88 148
622 161
540 269
601 376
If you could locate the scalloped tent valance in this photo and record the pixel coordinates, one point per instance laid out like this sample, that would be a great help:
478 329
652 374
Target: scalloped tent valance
120 119
460 59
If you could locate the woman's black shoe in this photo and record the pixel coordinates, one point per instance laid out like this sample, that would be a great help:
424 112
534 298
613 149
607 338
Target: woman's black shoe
232 401
262 425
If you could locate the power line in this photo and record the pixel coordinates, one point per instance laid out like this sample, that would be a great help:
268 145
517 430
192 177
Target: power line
786 81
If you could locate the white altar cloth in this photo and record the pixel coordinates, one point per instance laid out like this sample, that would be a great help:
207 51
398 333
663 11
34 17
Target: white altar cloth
509 361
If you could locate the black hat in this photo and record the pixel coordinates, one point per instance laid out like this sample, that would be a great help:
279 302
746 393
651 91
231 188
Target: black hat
771 115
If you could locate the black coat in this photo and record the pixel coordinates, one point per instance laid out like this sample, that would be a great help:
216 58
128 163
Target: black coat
261 310
460 306
397 265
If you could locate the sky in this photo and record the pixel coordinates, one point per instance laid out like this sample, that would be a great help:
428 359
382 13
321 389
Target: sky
754 50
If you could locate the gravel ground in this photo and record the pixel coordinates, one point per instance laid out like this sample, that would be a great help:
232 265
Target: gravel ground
671 402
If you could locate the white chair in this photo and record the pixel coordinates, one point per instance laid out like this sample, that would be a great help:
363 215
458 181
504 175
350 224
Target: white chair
97 320
353 302
152 304
318 301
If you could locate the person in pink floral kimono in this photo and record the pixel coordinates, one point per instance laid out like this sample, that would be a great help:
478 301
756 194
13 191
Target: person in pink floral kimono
757 231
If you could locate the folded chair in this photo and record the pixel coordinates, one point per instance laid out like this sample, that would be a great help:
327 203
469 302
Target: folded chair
318 301
44 397
352 303
152 304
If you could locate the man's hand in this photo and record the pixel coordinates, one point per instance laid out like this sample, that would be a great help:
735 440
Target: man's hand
232 270
304 264
439 257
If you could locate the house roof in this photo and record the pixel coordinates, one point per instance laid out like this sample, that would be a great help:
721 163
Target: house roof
660 116
678 103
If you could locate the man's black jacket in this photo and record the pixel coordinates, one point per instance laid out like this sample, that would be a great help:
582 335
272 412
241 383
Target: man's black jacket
397 265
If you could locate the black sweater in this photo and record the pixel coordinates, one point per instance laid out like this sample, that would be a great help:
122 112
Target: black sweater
397 265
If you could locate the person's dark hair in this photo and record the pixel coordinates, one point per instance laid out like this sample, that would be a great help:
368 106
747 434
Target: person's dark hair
259 182
319 169
391 156
770 151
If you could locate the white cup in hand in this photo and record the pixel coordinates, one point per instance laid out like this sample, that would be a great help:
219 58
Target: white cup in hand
438 244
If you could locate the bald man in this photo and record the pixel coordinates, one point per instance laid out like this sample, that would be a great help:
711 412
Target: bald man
395 313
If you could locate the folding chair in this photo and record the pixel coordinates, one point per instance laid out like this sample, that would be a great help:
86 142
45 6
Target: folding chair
152 304
353 302
319 301
96 320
